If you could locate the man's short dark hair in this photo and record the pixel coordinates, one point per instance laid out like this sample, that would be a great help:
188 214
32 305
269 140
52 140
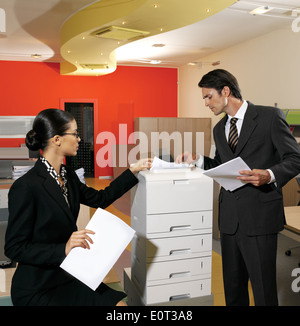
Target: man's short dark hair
218 79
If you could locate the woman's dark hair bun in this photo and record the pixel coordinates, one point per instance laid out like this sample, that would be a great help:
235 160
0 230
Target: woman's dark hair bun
32 141
47 124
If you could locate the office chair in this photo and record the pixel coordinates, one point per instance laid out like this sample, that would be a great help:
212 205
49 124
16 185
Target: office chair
289 251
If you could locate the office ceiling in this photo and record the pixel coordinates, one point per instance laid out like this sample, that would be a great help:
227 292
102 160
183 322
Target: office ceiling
45 30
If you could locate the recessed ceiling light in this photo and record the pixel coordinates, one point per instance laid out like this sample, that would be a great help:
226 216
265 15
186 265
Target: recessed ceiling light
36 56
155 62
260 10
156 5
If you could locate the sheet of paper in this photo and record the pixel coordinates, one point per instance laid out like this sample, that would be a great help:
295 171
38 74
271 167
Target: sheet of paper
225 174
111 237
158 164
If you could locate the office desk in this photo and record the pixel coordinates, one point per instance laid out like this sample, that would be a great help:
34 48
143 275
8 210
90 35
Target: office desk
4 189
6 183
292 215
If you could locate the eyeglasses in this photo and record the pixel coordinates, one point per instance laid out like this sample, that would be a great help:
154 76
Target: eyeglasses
75 134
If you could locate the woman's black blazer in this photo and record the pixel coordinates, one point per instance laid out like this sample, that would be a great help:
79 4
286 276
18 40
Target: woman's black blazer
40 224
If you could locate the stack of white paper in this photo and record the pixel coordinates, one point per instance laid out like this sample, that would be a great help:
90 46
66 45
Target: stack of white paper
226 174
158 164
111 237
18 171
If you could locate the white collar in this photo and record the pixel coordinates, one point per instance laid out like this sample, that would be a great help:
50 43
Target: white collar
241 111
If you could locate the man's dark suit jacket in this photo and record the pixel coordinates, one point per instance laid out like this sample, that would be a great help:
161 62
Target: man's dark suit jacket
265 142
40 224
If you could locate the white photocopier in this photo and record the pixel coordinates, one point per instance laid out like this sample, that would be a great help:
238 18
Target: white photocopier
171 212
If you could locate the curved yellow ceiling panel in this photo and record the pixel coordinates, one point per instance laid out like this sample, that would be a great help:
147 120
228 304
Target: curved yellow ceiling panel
90 36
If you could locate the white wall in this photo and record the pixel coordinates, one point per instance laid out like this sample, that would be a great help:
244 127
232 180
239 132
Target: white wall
267 68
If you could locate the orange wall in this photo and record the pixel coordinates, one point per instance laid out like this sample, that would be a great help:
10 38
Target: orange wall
129 92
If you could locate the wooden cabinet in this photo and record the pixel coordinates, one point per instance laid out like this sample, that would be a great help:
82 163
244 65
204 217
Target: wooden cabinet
174 135
165 138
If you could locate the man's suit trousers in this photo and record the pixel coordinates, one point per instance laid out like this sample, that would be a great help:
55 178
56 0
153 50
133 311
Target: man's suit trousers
251 257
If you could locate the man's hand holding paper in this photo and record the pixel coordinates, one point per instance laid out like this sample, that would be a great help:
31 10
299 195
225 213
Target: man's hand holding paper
228 174
256 177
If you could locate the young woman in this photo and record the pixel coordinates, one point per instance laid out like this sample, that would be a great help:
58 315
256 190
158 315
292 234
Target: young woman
43 209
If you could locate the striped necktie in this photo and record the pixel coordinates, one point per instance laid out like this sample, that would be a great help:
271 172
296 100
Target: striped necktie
233 134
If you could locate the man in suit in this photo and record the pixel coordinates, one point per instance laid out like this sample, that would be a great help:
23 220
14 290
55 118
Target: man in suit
251 216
